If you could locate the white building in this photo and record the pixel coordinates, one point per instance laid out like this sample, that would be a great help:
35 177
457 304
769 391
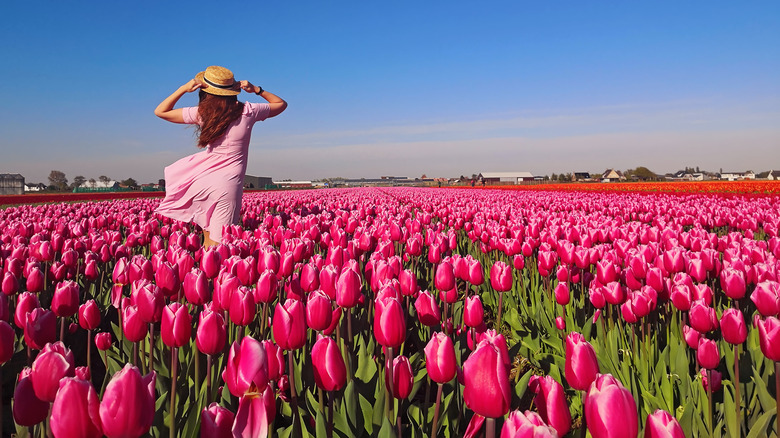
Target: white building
737 176
505 177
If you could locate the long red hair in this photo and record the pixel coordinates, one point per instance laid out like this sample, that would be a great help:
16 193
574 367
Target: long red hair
216 114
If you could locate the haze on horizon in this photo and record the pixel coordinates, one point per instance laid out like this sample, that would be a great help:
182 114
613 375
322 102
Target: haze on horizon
402 88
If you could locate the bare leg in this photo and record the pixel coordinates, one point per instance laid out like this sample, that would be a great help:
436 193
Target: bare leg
207 242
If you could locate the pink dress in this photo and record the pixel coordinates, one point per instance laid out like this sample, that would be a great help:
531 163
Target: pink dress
206 187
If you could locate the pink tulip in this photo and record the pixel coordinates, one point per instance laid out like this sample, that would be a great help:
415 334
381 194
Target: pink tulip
89 315
445 276
329 275
769 337
133 327
7 342
211 334
733 283
167 279
582 366
318 311
242 307
76 410
216 422
196 287
251 419
127 408
40 328
732 326
210 263
408 282
275 357
103 341
348 289
246 369
403 377
310 280
389 322
330 373
28 409
267 287
691 337
614 293
10 285
702 317
35 280
717 378
562 296
474 312
440 358
501 276
486 380
176 325
53 364
528 424
289 325
707 353
476 275
551 404
427 309
662 424
610 409
606 271
766 296
149 300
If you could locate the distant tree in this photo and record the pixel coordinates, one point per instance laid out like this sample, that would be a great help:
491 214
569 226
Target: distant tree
104 179
130 182
554 177
644 173
547 178
78 181
697 169
58 180
92 181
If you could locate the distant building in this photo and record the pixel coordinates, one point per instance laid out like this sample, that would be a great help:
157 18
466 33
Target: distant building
31 187
582 176
737 176
257 182
505 177
92 184
611 175
293 184
11 184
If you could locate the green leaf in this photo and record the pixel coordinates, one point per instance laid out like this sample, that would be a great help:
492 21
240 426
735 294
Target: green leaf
758 429
321 424
729 411
767 401
387 430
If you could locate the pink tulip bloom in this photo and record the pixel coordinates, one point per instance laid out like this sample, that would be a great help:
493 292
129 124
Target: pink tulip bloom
610 409
211 334
766 296
708 354
501 277
242 308
35 280
440 358
691 336
103 341
196 287
149 300
389 322
330 373
769 337
167 279
348 289
275 358
7 342
176 325
732 326
310 280
528 424
445 276
717 378
733 283
40 328
54 363
216 422
127 408
427 309
10 285
28 409
474 312
408 282
76 410
662 424
551 404
486 381
562 295
318 311
289 325
582 366
267 287
246 369
89 315
403 377
702 317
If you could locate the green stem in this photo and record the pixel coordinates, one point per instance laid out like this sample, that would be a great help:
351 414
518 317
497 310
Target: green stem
174 374
500 310
709 397
435 424
294 396
737 399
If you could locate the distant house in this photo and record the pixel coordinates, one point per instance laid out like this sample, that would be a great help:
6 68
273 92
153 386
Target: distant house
293 184
611 175
106 185
582 176
685 176
737 176
257 182
773 175
11 184
505 177
31 187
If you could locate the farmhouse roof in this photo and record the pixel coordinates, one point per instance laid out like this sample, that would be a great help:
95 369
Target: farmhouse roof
507 175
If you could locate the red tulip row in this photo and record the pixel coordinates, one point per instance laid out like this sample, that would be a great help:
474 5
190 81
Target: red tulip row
308 265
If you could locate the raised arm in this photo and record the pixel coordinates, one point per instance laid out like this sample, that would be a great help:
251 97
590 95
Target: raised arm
277 103
165 109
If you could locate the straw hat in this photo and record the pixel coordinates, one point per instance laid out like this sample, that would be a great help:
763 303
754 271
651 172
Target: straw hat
219 80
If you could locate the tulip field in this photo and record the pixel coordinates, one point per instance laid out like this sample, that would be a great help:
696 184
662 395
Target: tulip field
406 312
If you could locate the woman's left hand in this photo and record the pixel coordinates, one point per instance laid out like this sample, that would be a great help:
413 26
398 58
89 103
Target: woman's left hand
192 85
247 86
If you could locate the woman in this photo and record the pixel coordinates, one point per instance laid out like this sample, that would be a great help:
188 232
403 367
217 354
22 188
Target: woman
207 187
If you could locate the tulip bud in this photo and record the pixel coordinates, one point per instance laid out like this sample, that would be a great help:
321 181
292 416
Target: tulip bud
766 297
427 309
211 333
52 364
176 325
445 276
76 410
403 377
348 288
562 295
733 283
440 358
28 409
582 366
267 287
35 280
717 380
551 404
501 276
289 325
167 279
389 322
196 287
610 408
732 326
127 408
330 373
10 284
40 328
133 327
89 315
318 311
149 300
486 381
529 424
702 317
474 312
216 422
276 363
662 424
103 341
769 337
242 307
691 336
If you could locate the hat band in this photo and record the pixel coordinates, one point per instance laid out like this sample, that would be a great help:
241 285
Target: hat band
212 84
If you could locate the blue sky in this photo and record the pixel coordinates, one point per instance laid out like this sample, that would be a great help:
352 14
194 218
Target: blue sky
399 88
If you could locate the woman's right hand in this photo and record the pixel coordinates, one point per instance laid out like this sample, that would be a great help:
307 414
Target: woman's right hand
192 85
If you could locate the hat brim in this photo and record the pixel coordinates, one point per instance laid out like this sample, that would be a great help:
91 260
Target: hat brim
235 91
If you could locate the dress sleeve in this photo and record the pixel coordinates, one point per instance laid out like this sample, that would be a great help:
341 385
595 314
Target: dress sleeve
259 111
190 115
